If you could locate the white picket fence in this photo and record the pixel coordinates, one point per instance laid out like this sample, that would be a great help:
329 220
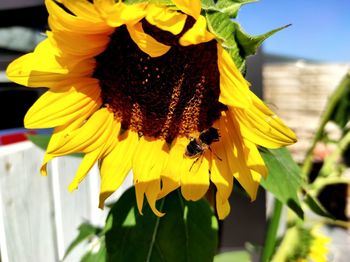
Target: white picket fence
38 216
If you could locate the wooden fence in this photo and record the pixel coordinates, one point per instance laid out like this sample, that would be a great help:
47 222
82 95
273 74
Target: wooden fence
38 216
298 93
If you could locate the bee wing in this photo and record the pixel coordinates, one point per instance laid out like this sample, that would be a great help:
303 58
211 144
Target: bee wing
196 164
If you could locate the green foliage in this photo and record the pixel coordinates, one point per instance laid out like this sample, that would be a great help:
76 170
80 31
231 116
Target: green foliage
316 206
188 232
341 99
284 180
241 256
86 232
180 235
98 255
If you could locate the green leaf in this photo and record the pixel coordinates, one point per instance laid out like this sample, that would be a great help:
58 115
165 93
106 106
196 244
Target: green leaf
284 180
187 232
316 206
40 140
340 100
99 255
241 256
208 4
86 231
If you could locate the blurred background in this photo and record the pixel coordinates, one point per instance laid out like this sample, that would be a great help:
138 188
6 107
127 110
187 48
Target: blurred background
295 72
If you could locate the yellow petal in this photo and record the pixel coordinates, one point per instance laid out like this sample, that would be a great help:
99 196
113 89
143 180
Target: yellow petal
149 161
83 9
261 126
197 34
119 13
223 207
94 153
195 177
221 173
85 166
234 89
68 43
44 67
254 159
104 6
165 18
117 164
60 20
172 172
232 141
152 191
58 135
89 160
93 134
63 104
147 43
190 7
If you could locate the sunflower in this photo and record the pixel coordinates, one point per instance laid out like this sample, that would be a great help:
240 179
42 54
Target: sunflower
131 85
303 244
319 246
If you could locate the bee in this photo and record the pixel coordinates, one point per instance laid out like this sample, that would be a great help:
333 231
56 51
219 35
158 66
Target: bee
198 146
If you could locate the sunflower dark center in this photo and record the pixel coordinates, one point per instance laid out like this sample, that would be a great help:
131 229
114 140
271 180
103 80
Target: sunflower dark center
164 97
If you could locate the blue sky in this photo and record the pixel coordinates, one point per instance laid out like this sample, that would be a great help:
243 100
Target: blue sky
320 28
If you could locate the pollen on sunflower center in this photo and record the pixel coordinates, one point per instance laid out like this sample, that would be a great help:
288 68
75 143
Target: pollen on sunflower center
163 97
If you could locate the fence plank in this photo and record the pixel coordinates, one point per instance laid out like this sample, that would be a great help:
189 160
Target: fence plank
26 206
76 206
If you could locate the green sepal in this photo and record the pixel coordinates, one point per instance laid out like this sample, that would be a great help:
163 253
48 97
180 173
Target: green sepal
229 7
239 44
250 44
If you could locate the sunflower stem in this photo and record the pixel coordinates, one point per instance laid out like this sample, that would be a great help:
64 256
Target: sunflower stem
271 234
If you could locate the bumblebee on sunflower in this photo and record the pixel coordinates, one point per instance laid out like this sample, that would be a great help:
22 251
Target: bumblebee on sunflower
131 84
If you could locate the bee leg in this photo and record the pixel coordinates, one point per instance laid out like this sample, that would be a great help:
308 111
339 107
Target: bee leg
215 154
193 165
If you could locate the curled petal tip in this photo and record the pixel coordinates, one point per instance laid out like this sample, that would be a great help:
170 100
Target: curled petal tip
72 187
